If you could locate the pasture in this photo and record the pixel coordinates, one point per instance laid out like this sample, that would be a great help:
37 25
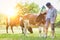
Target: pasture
34 36
14 23
17 35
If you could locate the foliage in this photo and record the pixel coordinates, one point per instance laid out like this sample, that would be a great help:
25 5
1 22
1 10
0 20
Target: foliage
58 20
2 19
20 9
27 8
33 7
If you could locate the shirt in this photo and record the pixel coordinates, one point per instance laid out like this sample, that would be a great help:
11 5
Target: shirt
51 13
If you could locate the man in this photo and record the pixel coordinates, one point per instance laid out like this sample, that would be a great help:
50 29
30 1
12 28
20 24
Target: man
50 19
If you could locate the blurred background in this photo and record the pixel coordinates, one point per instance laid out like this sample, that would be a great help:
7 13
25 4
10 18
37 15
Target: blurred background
9 8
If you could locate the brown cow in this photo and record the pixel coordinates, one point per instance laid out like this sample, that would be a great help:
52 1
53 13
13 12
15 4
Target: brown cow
36 20
33 20
15 21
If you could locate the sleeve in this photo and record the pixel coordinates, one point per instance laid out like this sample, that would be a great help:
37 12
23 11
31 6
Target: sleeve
55 13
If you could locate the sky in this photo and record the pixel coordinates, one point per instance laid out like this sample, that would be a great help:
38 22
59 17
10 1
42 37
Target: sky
55 3
8 5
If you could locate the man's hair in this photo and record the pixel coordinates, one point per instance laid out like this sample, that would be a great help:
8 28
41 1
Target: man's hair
48 4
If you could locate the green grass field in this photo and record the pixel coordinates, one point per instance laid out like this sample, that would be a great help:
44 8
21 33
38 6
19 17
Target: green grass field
34 36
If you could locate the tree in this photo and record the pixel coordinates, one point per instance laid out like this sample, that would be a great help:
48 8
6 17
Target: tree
33 7
27 8
21 9
2 19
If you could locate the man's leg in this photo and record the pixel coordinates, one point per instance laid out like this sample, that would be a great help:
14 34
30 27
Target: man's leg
52 29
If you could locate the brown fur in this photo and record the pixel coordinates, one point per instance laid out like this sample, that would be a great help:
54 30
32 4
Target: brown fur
33 20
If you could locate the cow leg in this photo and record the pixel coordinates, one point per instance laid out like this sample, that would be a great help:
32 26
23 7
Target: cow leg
39 31
43 31
7 28
22 30
12 29
25 31
25 27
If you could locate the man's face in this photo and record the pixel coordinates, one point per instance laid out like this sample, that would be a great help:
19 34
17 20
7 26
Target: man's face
49 7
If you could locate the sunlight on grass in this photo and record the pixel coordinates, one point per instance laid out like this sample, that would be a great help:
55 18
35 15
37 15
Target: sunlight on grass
34 36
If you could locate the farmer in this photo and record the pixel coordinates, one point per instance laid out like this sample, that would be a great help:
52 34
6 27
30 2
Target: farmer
50 19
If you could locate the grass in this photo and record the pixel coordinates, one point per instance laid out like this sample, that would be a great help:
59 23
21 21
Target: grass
34 36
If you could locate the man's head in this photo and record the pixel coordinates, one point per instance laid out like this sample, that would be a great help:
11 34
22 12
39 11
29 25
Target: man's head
48 5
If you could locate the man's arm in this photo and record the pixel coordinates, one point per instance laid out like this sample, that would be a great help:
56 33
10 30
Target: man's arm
55 14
